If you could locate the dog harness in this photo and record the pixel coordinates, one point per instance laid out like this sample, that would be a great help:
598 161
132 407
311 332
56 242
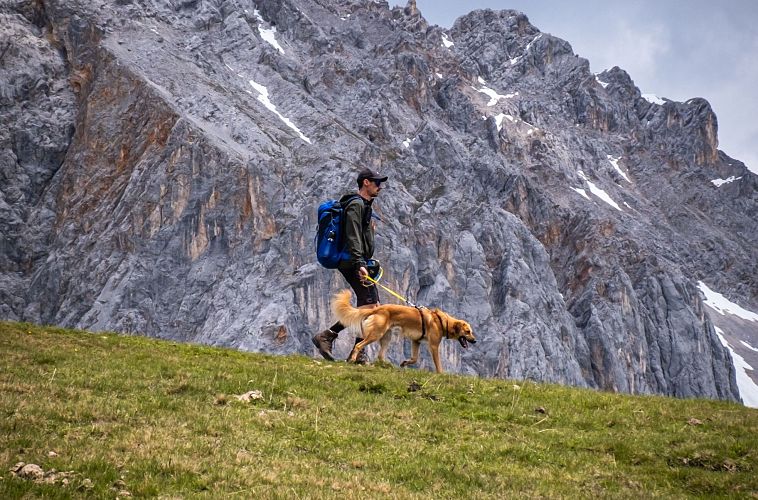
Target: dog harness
444 328
423 323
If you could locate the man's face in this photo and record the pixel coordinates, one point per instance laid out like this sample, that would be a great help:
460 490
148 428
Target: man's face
373 187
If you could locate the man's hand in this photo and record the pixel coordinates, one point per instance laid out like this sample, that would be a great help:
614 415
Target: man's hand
363 274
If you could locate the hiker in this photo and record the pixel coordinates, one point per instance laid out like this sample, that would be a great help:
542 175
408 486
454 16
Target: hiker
359 246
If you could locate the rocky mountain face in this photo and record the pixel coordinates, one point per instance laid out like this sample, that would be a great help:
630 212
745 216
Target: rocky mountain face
161 162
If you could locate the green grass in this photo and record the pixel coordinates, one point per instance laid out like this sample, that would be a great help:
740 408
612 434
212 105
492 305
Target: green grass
159 419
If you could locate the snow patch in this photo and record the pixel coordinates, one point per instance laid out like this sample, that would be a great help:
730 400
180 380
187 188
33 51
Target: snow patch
748 389
263 99
654 99
721 182
268 34
602 83
582 192
516 59
446 42
615 163
493 95
748 346
599 192
407 143
234 71
499 119
529 45
724 306
439 75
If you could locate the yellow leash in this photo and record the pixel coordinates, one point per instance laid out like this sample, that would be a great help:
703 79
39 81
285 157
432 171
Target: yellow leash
389 290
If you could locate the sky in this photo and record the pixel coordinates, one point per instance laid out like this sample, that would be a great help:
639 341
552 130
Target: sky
677 49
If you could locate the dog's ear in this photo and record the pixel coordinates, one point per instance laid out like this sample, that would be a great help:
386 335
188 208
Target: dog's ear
458 327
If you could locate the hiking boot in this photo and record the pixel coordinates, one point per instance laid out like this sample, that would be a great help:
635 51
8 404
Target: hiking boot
362 358
324 342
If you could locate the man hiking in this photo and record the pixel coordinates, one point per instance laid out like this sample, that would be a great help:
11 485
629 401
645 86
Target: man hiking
358 237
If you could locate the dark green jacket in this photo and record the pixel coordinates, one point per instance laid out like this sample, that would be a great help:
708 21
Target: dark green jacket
358 232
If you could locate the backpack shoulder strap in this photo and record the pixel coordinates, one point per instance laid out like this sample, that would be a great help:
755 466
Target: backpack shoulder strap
350 200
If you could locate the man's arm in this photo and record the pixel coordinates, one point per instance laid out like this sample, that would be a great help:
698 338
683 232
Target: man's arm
354 234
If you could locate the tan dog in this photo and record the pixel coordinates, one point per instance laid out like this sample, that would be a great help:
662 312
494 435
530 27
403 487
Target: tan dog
376 322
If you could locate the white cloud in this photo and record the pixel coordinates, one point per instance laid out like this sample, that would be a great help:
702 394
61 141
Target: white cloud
637 49
735 103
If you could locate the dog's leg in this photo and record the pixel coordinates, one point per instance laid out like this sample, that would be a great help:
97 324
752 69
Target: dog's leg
434 347
384 343
414 354
374 328
353 354
357 349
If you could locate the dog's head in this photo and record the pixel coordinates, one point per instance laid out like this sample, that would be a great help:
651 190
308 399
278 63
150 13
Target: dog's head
461 331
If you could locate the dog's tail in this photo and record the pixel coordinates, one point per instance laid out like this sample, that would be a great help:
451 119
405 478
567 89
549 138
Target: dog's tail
345 312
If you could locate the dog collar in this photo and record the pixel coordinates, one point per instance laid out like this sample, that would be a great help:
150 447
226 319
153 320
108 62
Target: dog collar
444 327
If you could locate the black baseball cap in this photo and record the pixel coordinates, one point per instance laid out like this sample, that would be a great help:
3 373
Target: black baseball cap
367 173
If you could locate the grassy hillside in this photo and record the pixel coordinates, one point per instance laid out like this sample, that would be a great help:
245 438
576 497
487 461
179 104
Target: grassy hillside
107 415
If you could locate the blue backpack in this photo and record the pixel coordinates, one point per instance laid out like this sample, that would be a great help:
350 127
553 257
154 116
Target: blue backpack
330 249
